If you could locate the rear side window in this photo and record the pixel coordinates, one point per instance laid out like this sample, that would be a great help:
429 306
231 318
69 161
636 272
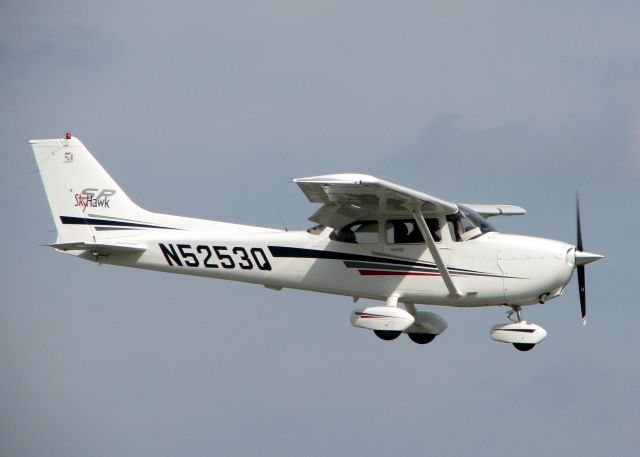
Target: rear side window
359 232
406 231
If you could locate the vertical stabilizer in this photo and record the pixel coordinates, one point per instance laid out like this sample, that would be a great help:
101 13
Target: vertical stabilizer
81 192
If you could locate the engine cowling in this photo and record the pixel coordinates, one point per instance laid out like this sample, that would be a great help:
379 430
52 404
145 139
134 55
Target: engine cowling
386 318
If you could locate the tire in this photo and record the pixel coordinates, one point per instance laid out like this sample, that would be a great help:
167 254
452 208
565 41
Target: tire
421 338
387 335
523 346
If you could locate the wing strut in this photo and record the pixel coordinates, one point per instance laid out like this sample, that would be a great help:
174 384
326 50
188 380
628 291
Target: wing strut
431 244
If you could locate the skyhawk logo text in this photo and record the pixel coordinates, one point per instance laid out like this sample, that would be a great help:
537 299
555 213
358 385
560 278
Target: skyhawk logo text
94 198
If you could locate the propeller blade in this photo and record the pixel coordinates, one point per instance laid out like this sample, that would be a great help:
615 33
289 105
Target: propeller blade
583 294
581 259
579 244
581 285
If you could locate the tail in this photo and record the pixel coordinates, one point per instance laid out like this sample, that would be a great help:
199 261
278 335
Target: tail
87 204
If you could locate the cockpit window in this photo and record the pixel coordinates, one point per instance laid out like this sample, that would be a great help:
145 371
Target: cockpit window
360 232
406 231
466 224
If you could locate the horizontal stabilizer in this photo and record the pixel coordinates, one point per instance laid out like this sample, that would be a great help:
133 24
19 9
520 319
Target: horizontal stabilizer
100 248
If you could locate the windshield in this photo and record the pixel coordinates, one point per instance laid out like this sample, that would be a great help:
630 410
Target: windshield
466 224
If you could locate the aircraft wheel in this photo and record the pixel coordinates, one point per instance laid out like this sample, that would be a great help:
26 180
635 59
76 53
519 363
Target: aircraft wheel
387 335
421 338
523 346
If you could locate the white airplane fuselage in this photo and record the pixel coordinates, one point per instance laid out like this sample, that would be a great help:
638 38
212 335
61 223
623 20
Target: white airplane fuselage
494 269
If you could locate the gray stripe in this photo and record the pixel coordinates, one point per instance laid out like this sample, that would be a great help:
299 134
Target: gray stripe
378 266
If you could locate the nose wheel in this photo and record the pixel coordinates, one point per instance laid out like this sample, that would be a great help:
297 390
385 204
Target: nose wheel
524 347
522 334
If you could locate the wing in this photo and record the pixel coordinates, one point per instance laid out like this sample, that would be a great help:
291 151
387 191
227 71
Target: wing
497 210
349 197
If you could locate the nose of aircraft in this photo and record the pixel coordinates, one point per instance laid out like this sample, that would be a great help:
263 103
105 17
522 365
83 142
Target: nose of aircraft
583 257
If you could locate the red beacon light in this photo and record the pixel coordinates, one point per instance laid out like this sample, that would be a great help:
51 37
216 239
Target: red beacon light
68 136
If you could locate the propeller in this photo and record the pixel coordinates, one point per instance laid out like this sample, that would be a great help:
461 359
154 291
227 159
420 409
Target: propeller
581 259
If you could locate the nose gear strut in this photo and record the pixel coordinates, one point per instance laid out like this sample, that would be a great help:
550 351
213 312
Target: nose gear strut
515 310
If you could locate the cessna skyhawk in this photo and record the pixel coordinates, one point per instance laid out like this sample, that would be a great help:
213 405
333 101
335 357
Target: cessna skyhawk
373 239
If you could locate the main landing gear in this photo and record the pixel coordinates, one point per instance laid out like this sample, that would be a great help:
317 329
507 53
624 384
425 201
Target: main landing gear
389 322
522 334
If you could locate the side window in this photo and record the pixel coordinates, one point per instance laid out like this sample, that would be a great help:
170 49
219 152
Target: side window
360 232
406 231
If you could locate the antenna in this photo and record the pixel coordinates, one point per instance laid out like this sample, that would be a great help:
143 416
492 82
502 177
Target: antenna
282 220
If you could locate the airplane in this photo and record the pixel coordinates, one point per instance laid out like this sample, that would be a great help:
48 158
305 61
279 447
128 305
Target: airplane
372 239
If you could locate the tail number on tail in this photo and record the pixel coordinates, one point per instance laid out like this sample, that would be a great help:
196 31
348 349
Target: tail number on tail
215 256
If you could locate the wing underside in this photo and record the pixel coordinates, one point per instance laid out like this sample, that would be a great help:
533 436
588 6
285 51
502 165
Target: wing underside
349 197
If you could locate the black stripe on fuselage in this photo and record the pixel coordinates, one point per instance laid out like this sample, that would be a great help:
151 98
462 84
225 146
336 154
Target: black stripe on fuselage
381 266
352 259
285 251
106 222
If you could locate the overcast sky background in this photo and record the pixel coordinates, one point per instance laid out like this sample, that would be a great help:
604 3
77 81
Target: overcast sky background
208 109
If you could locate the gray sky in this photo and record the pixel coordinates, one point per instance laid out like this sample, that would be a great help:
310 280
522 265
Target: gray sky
207 109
